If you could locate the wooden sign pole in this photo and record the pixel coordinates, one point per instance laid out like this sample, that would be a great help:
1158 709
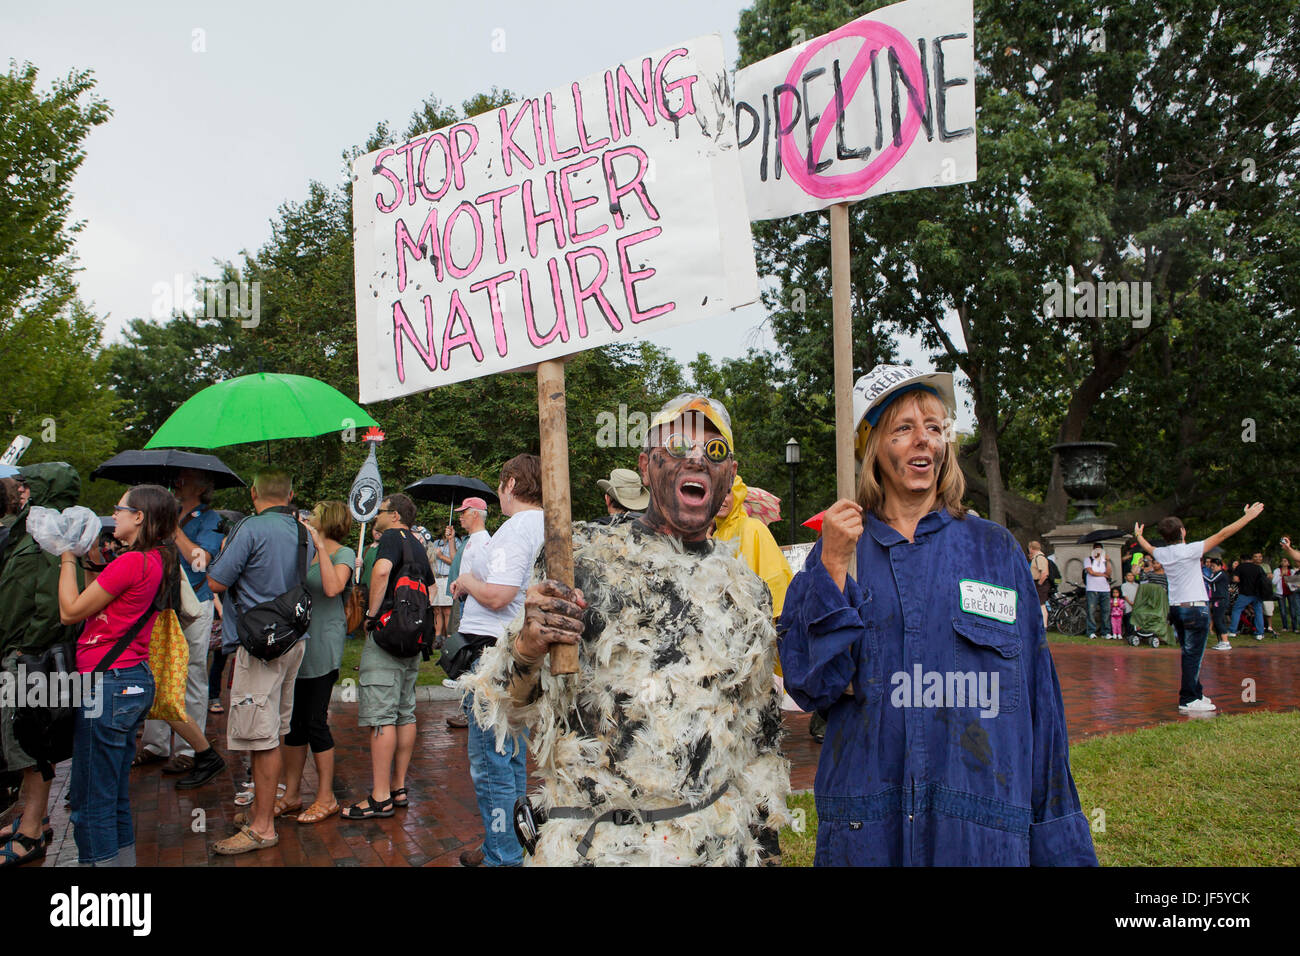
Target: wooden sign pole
553 421
842 340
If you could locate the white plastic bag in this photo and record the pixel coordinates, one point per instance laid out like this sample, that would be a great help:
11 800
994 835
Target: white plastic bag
75 530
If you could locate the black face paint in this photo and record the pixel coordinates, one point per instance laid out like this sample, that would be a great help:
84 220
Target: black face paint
675 513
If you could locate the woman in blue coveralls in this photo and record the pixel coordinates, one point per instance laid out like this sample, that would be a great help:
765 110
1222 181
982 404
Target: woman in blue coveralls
945 743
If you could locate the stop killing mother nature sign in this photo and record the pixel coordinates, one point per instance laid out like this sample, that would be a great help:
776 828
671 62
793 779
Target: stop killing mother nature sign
594 213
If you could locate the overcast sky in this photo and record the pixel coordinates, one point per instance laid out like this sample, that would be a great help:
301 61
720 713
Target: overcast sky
221 112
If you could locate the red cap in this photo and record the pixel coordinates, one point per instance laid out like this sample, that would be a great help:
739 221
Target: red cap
476 503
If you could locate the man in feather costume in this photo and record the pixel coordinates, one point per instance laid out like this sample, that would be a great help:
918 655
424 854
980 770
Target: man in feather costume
663 748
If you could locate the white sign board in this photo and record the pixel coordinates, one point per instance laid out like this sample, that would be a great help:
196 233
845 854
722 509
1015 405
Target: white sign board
796 555
887 103
14 453
603 210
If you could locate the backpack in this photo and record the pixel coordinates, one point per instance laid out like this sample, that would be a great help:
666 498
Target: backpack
1053 575
269 629
406 628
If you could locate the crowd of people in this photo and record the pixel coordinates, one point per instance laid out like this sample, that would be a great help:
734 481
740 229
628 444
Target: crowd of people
1183 591
906 632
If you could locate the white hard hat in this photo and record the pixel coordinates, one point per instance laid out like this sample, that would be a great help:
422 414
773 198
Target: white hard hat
874 391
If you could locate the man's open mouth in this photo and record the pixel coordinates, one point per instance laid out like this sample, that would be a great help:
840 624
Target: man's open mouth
693 491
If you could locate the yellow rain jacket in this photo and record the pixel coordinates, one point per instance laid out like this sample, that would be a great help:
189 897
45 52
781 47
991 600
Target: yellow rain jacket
756 544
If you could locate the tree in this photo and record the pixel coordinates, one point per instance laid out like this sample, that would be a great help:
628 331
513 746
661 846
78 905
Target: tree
1148 143
55 385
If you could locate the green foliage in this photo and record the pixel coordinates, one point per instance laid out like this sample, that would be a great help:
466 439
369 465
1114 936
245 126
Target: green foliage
1164 153
55 386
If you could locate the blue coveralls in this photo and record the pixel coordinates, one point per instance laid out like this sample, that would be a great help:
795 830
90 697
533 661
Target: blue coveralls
914 779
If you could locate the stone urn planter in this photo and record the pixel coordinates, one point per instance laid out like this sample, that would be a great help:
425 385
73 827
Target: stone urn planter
1083 468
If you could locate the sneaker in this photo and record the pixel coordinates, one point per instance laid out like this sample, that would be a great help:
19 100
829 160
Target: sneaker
206 766
450 684
1092 637
1223 646
1195 707
1259 637
1206 700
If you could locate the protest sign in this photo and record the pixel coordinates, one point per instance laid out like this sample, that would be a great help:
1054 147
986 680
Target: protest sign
598 212
367 493
14 453
885 103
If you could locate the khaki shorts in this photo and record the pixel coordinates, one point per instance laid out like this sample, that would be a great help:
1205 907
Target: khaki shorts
1269 608
261 699
439 597
387 695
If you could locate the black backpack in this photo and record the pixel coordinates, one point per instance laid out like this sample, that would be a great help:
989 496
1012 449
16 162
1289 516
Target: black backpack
45 733
1053 575
272 628
406 628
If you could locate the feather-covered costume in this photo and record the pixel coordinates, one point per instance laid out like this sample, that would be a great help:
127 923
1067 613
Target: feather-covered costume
673 700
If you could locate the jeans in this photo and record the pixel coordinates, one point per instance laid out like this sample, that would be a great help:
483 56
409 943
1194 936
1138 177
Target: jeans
1240 605
1289 607
1098 611
1220 617
157 733
102 750
1192 624
216 672
499 780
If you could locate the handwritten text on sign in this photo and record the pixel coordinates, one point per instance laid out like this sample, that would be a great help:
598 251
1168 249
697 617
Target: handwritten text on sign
594 213
882 104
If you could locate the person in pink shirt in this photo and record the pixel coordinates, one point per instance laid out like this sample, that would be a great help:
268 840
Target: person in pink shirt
1119 606
117 687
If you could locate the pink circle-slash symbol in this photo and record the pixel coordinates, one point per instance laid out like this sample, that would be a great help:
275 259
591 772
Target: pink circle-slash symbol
877 37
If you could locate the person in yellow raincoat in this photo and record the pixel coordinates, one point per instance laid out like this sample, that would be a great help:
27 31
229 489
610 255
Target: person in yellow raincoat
757 546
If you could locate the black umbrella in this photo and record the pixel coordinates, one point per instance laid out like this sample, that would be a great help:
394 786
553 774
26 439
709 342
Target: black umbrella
449 490
160 466
1101 534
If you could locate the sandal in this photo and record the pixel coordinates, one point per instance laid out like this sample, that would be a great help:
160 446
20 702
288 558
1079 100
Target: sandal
281 810
34 847
317 812
243 842
146 757
400 799
47 831
371 809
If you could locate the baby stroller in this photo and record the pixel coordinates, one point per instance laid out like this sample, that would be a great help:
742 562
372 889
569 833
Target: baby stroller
1150 616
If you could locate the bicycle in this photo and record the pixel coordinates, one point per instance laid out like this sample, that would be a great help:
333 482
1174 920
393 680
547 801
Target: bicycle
1067 611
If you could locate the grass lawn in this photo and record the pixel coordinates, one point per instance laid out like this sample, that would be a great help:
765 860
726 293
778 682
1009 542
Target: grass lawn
430 672
1241 640
1217 792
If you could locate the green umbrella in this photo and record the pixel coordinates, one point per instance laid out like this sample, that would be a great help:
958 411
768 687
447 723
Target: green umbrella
259 407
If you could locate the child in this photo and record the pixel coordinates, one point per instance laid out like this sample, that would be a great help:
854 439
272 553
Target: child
1119 606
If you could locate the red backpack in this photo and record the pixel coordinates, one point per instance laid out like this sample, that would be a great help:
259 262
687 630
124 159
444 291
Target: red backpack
406 628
